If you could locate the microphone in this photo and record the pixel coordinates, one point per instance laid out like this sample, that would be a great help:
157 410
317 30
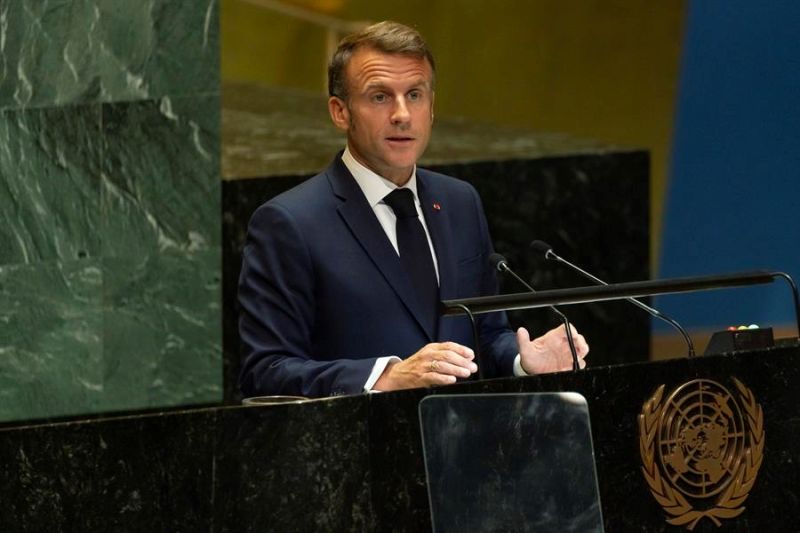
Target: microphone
547 250
499 262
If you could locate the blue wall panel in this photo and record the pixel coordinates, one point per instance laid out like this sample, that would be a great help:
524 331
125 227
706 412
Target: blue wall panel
734 191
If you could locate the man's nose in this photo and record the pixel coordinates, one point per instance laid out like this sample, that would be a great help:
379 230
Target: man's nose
400 112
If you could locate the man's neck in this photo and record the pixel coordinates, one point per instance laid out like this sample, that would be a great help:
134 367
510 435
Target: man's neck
398 181
374 187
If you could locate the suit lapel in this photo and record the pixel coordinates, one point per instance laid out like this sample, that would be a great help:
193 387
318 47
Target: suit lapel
361 220
434 204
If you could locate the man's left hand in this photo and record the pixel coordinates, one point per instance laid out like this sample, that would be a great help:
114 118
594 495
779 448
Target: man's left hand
550 352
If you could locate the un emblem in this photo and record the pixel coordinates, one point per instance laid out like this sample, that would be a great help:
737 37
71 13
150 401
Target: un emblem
701 450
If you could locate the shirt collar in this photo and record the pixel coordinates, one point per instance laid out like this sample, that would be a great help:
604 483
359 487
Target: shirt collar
374 186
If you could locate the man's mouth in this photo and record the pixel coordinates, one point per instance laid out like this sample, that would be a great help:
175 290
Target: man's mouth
400 139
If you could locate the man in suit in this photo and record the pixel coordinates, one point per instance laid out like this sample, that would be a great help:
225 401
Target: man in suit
342 274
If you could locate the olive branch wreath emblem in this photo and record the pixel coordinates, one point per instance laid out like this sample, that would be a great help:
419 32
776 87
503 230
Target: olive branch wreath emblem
730 503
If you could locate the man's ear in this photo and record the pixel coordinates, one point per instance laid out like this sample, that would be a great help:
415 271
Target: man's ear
340 115
433 100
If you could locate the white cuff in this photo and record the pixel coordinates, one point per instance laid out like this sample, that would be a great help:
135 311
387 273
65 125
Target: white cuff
377 370
518 370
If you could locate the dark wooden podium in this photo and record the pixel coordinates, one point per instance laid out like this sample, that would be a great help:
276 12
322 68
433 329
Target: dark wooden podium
356 464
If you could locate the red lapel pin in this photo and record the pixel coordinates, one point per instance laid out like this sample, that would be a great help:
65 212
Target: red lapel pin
436 206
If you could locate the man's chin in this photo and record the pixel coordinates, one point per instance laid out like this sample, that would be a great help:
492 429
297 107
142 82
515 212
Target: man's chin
404 156
397 171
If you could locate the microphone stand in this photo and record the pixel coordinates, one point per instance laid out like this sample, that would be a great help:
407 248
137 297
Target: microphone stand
502 266
551 255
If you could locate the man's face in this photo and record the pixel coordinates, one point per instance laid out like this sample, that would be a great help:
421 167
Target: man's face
388 113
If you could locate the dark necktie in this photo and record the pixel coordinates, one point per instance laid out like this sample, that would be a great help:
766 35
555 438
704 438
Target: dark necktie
415 254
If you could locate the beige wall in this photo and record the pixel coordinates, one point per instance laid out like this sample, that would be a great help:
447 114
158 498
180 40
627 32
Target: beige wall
600 69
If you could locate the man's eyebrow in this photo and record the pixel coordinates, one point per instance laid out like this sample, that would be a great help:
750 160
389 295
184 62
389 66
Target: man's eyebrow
421 82
375 86
417 84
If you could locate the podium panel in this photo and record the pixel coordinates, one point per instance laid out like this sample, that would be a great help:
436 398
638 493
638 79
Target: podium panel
705 444
510 462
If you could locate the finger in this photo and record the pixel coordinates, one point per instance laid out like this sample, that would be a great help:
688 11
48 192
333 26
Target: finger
582 363
581 346
456 359
523 337
578 340
434 378
464 351
443 367
576 336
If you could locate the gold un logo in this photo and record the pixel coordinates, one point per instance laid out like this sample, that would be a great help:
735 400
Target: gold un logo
701 450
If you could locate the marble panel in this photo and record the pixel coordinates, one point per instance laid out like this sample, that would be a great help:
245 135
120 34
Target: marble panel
161 252
51 350
49 185
772 503
399 487
49 53
162 330
155 48
150 473
108 209
160 176
273 474
71 51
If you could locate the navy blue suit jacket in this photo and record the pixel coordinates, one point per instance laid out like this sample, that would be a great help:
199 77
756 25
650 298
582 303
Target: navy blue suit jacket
323 293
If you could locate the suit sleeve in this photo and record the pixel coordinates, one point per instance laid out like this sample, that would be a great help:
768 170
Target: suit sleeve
498 342
276 296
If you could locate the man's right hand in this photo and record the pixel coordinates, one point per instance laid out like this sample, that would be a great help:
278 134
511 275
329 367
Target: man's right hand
438 363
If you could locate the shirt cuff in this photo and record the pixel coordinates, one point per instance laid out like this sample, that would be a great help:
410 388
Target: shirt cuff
518 370
377 370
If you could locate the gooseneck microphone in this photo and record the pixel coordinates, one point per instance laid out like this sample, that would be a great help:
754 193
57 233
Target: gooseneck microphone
547 250
499 262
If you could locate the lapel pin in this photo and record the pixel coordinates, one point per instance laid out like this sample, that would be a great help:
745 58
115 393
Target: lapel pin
436 206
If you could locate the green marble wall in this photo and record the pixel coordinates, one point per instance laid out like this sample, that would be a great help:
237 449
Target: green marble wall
109 206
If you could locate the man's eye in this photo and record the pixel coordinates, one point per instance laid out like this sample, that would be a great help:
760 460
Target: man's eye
379 98
414 95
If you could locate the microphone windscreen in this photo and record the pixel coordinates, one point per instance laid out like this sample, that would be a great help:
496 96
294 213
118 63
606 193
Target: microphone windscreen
495 259
541 246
